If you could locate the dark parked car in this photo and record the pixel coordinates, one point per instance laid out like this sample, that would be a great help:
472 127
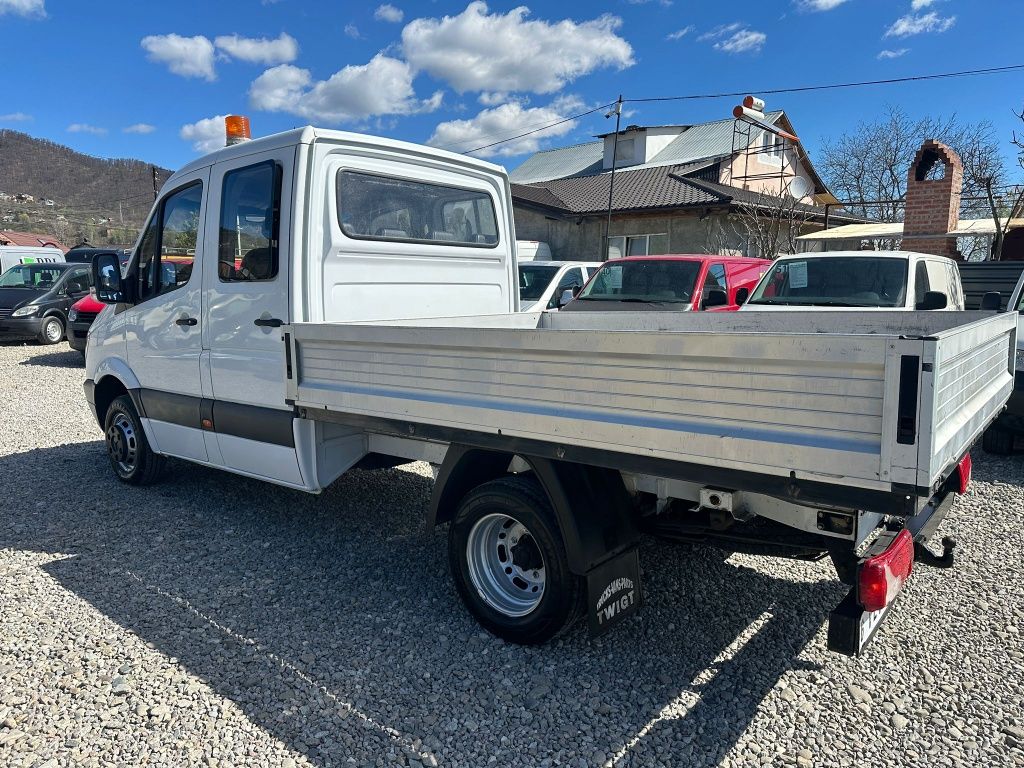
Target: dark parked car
35 299
84 254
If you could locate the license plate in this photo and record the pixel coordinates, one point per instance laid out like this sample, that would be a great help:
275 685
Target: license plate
851 628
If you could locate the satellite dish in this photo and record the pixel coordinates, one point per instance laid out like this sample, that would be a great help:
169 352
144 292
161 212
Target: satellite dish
799 187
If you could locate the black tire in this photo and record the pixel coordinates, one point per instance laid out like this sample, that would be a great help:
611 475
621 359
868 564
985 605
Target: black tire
51 331
998 440
562 602
131 457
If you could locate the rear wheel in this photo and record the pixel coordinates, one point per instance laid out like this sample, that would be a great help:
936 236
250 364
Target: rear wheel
508 561
130 455
998 440
52 331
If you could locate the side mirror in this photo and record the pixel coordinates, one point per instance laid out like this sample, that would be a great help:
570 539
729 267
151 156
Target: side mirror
576 290
111 288
742 294
716 297
566 297
992 301
933 300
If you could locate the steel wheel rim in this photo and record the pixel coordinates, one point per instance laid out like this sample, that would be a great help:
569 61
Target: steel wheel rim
122 443
505 565
53 331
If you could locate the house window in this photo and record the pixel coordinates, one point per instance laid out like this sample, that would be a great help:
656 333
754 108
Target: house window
637 245
625 150
773 147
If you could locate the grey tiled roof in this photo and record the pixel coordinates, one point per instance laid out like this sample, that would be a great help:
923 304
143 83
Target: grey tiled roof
696 142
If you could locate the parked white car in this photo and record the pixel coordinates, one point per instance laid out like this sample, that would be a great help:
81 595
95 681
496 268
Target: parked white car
879 280
543 283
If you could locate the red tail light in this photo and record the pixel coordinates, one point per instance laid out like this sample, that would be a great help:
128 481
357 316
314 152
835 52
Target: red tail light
963 473
882 576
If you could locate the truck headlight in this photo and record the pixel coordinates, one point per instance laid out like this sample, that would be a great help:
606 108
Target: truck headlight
25 311
72 315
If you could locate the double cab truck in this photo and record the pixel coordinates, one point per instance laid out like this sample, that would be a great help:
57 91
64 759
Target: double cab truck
301 304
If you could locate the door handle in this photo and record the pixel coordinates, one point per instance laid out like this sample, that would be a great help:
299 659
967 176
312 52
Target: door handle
186 321
268 322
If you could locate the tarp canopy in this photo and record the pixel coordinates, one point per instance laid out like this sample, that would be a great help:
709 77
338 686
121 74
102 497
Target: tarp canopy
965 227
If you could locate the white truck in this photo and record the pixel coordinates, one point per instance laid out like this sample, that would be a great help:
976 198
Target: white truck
860 280
310 302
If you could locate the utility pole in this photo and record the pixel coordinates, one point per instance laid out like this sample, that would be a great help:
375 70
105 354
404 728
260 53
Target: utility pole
617 111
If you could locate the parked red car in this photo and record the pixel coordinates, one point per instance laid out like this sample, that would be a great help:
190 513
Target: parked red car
684 282
80 317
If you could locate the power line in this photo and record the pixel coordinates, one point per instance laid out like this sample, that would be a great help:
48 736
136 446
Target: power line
769 92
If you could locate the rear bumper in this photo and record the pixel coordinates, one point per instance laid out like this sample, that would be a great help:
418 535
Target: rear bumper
850 627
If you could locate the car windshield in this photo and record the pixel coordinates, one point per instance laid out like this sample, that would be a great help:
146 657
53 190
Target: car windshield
39 276
834 281
656 280
533 279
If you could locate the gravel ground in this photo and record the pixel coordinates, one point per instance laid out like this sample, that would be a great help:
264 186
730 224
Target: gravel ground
215 620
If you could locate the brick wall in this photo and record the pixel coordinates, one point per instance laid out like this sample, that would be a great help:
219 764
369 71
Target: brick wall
933 204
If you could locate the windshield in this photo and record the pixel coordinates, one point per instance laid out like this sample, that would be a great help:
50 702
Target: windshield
834 281
533 279
39 276
658 281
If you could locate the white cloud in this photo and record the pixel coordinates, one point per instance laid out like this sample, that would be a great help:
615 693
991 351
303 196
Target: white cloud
820 5
185 56
388 12
478 51
23 7
917 5
259 50
503 122
888 54
492 98
141 128
383 86
735 38
665 3
86 128
206 135
351 30
15 117
679 34
908 25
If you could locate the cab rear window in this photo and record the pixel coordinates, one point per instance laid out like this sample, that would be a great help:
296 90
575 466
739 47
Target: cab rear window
372 207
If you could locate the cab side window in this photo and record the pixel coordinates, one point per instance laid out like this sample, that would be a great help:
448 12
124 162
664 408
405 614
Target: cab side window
572 280
715 279
250 216
921 284
167 252
78 282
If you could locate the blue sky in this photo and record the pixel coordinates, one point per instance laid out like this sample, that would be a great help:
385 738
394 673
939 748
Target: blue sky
137 79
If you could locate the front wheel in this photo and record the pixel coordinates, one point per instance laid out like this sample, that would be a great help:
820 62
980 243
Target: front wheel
998 440
52 331
134 462
508 561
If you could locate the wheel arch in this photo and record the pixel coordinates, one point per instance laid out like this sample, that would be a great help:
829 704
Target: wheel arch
591 504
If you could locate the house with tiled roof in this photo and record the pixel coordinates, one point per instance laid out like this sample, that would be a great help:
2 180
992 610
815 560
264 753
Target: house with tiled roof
7 237
677 189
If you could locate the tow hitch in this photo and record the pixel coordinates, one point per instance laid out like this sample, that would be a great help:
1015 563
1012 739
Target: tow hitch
925 556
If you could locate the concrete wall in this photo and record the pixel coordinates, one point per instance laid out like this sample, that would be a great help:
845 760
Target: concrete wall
581 238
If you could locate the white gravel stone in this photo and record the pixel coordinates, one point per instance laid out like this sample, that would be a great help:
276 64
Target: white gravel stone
216 620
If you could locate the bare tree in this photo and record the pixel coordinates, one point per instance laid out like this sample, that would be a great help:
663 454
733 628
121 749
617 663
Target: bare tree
770 223
872 162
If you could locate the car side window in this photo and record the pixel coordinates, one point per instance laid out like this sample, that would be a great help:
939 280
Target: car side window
938 278
921 283
715 279
78 281
167 252
250 220
571 280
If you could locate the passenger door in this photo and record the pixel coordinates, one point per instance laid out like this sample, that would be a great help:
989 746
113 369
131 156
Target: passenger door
246 302
163 332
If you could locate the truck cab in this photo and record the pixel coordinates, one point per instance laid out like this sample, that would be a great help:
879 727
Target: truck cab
862 280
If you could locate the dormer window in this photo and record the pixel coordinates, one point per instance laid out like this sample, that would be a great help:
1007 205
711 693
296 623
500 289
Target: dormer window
625 151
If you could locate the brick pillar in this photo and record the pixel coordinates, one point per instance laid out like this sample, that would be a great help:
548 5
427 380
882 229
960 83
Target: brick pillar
933 204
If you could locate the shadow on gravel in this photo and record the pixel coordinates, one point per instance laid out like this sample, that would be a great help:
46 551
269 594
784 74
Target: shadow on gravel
68 358
332 623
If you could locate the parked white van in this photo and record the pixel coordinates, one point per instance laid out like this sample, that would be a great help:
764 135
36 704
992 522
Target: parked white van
13 255
862 280
532 250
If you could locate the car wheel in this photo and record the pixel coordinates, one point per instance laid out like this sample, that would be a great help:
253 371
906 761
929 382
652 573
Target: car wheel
134 462
998 441
52 331
508 561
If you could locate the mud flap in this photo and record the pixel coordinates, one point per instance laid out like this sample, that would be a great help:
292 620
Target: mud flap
613 592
